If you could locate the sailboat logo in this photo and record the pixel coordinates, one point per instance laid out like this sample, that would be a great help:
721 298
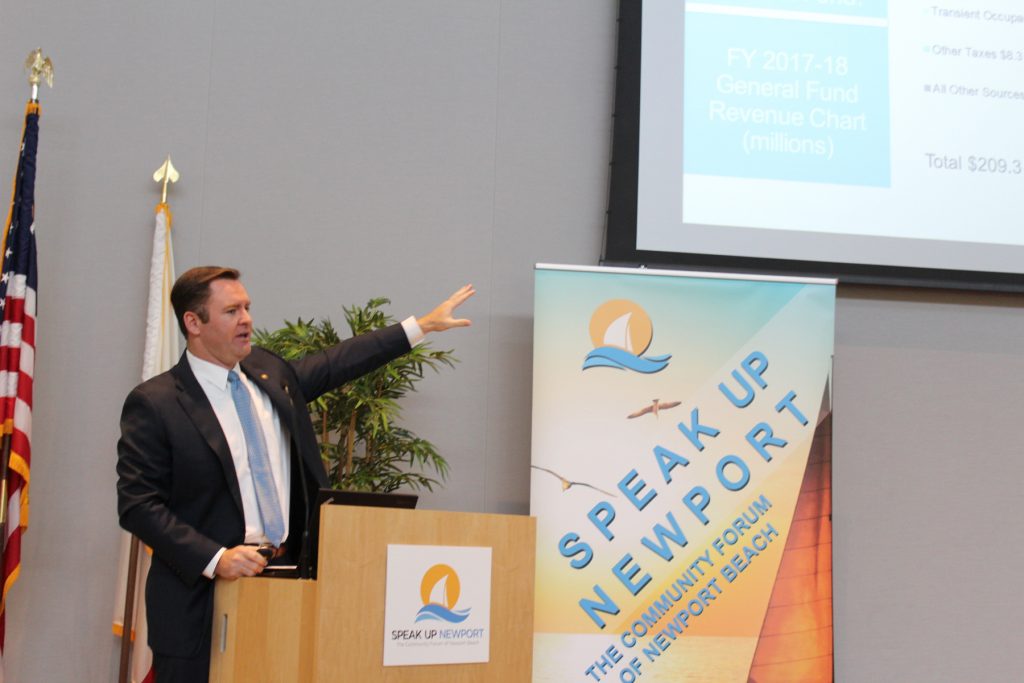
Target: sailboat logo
440 590
621 332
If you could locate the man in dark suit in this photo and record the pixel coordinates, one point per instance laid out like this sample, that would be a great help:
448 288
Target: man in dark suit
217 455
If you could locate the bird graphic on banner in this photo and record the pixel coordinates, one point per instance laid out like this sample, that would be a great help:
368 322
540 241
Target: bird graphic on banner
566 484
656 405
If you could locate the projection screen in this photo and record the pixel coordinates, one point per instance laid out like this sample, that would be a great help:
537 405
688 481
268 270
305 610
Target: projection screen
867 140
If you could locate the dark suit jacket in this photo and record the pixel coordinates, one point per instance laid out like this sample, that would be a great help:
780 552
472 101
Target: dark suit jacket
177 489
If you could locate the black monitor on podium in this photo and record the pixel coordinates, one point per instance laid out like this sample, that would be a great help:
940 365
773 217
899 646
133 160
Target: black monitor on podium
307 564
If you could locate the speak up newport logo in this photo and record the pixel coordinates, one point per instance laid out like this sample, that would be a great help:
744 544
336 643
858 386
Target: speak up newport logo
621 332
437 605
440 590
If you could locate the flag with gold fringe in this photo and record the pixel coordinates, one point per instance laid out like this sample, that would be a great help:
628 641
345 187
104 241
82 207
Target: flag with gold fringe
17 358
161 352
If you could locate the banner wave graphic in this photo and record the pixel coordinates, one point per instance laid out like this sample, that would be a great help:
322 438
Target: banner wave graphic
614 357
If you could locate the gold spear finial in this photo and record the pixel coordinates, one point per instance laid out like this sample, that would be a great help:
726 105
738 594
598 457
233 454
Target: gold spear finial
40 68
166 174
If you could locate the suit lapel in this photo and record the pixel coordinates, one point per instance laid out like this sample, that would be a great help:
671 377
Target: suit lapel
193 400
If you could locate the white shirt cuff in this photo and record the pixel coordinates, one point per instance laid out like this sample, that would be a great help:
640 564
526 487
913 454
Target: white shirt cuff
211 569
412 330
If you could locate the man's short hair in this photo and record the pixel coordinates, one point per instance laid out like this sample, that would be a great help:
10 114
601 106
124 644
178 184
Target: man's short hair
192 291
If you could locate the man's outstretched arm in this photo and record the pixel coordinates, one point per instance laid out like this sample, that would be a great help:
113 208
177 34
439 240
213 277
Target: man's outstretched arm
320 372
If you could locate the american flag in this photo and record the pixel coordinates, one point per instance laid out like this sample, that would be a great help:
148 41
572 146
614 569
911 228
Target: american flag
17 356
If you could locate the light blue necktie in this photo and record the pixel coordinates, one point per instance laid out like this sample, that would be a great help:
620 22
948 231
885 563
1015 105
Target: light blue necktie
259 462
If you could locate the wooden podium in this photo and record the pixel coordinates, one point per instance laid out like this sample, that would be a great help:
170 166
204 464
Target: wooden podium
268 630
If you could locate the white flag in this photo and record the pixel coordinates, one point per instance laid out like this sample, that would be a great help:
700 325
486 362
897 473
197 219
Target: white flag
161 353
161 327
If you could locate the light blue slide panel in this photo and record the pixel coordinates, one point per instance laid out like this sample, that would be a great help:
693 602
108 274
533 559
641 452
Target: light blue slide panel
786 100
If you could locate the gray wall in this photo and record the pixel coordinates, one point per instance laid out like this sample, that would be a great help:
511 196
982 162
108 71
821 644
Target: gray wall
339 150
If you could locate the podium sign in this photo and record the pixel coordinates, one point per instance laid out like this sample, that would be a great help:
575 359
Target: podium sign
437 607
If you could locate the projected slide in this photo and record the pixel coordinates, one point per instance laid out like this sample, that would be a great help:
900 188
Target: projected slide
785 99
814 119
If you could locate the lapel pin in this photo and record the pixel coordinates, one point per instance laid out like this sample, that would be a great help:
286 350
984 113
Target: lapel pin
264 375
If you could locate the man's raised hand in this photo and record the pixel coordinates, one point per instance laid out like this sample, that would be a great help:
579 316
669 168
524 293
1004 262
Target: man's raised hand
442 318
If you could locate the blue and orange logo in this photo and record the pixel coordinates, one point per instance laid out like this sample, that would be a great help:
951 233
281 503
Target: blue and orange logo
621 332
439 590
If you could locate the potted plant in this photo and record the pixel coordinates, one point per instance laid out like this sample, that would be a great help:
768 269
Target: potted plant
361 443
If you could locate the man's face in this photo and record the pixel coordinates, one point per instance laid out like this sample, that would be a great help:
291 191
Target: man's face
224 338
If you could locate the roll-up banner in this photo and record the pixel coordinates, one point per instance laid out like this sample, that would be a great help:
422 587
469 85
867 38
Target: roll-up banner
681 477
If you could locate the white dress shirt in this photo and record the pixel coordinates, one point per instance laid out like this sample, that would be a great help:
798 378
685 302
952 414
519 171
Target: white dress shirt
213 379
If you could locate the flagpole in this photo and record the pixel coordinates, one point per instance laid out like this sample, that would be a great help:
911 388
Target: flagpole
129 611
164 175
40 69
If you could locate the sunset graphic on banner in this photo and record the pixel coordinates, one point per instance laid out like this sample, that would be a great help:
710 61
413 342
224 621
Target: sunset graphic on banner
697 546
621 332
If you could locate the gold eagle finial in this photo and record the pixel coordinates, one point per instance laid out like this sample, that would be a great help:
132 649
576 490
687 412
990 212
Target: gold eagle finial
40 68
